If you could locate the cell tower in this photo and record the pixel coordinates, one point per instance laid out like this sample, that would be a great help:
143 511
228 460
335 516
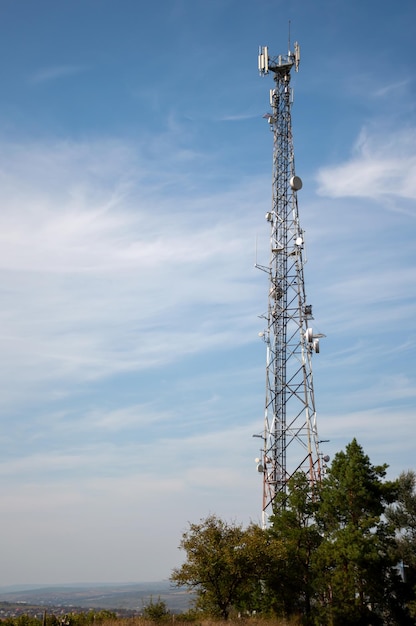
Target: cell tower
290 436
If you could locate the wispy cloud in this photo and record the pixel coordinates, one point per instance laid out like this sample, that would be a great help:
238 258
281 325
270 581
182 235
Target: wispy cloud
55 72
383 165
238 117
398 87
100 270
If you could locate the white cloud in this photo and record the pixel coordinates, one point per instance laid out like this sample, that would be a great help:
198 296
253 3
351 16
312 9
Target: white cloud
382 166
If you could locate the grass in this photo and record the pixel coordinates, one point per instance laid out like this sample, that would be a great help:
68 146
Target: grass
177 621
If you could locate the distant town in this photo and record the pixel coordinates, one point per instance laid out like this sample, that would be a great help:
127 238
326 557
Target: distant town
125 600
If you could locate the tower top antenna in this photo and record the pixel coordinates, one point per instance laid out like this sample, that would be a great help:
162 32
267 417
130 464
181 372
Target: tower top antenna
282 63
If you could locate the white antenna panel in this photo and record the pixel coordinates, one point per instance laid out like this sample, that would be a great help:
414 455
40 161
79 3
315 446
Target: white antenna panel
297 56
263 60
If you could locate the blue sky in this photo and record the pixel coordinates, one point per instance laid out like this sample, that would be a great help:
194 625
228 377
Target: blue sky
135 172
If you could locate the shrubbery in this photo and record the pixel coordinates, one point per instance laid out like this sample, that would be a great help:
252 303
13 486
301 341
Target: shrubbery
156 611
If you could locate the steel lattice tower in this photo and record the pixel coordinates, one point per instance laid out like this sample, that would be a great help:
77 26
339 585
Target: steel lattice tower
290 436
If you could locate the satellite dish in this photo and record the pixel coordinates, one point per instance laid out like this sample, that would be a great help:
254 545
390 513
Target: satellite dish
296 183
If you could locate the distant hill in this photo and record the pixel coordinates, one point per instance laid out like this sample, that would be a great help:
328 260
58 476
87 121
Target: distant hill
129 596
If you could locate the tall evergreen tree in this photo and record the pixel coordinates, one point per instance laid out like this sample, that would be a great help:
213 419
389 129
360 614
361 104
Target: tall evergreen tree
356 571
402 516
291 579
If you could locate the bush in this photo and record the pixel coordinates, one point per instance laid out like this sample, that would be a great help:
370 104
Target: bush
156 611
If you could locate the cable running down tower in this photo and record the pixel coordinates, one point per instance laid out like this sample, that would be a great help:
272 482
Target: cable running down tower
290 436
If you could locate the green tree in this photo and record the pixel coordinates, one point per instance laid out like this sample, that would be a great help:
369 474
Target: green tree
224 565
356 574
257 556
291 578
402 516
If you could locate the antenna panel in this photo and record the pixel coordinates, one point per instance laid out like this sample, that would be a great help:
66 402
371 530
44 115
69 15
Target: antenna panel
297 56
263 60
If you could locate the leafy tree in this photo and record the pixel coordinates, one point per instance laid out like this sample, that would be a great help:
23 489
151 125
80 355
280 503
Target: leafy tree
291 579
355 569
258 555
224 564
